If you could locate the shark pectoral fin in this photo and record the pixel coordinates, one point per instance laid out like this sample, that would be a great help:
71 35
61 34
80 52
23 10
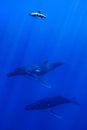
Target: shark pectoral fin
45 84
55 114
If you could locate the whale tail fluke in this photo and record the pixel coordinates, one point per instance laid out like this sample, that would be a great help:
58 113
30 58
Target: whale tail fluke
73 100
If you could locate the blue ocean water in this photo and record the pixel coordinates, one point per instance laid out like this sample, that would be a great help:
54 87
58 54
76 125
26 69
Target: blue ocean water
25 40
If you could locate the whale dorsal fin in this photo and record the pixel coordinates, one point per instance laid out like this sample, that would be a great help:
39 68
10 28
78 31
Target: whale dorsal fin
39 11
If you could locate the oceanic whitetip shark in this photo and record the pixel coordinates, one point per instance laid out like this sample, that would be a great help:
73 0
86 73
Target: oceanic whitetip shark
36 71
49 103
38 14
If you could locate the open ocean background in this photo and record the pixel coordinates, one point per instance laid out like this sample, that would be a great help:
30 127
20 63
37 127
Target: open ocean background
25 40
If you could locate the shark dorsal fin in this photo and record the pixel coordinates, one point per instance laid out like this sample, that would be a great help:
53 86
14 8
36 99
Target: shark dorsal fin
39 11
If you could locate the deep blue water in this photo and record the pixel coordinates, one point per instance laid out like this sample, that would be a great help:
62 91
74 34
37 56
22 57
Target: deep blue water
25 40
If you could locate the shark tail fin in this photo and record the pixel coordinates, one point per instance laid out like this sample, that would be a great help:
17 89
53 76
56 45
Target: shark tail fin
75 101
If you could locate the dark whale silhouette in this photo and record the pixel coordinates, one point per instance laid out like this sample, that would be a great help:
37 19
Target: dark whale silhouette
50 102
36 70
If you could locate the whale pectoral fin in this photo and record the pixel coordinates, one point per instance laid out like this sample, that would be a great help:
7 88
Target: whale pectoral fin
55 114
45 84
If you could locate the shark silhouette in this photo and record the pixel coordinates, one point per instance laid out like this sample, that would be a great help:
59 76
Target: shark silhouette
38 14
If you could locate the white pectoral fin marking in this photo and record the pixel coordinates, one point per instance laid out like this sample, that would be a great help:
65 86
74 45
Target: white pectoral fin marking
55 114
45 84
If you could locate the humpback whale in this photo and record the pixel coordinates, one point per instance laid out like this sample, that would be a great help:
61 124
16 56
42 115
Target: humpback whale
38 14
36 70
50 102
